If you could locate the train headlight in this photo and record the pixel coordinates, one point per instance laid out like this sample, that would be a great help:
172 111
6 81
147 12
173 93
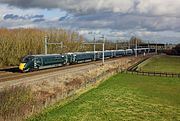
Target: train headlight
22 66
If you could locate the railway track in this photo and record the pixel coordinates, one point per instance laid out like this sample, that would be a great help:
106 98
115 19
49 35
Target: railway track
12 77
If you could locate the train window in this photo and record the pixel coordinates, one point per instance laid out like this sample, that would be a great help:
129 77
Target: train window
26 59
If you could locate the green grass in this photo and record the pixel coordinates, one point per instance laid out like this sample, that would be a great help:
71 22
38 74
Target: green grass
122 97
161 64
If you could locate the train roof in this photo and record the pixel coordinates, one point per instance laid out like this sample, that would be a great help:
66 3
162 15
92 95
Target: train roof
141 48
43 55
87 52
128 49
80 52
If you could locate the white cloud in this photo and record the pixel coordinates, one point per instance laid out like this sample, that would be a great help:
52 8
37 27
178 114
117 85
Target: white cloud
159 7
79 6
147 7
148 18
24 26
5 9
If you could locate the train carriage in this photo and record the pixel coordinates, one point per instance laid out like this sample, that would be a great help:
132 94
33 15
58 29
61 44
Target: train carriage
82 57
33 62
141 50
129 52
107 54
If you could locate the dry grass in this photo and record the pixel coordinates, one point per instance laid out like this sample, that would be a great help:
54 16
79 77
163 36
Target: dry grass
17 43
15 103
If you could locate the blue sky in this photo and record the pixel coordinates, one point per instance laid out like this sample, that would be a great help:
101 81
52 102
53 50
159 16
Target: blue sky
151 20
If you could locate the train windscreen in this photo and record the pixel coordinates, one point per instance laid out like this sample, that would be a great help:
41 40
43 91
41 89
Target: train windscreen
26 59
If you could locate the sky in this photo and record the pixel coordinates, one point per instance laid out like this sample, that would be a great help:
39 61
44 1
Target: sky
151 20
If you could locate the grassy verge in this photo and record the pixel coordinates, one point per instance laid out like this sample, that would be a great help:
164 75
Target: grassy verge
15 103
122 97
161 64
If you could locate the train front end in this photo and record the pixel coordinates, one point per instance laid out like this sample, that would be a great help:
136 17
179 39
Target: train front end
22 66
26 63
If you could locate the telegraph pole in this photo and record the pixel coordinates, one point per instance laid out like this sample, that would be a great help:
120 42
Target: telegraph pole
165 46
103 49
156 48
94 48
136 47
103 37
148 46
134 35
116 46
46 43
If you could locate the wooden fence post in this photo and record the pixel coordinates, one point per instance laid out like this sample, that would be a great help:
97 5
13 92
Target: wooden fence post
164 74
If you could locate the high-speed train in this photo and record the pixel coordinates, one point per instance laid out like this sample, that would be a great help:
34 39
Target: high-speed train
36 62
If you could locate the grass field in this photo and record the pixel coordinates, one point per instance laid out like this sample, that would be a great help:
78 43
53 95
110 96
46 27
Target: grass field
122 97
161 64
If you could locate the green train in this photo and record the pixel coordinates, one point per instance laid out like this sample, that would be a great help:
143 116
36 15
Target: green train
36 62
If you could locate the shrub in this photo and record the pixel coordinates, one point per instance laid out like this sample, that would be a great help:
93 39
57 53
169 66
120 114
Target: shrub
16 43
15 102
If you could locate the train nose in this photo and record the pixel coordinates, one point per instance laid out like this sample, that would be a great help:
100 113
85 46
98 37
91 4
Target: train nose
22 66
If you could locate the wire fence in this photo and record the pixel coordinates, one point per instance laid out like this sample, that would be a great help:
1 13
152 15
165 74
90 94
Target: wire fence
160 74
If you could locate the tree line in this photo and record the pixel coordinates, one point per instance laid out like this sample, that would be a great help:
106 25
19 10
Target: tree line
174 51
17 43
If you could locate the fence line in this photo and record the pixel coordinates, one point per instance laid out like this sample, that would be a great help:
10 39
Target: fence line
161 74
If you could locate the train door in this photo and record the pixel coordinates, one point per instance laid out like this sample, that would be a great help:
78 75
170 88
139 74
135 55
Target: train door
70 58
37 63
66 59
74 58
